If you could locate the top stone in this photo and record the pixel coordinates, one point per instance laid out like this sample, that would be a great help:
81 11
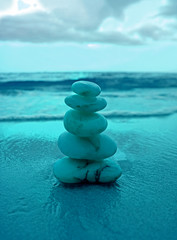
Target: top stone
86 88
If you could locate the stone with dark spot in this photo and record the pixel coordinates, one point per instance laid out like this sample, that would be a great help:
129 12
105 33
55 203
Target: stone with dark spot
85 104
96 147
69 170
84 124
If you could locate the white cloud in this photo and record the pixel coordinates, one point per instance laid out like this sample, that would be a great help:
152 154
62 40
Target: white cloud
98 21
155 29
18 7
169 9
92 45
5 4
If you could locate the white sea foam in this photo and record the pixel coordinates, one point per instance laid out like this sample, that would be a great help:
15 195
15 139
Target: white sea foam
108 114
40 96
124 114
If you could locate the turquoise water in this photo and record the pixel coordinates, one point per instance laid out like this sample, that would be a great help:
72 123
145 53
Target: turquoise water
142 204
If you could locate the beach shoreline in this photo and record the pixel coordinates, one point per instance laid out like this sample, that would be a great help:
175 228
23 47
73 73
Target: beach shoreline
143 198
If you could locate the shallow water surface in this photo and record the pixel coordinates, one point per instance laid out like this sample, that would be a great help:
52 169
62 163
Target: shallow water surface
142 119
140 205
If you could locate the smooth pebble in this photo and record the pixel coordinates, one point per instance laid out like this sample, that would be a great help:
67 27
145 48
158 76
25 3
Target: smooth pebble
69 170
85 104
95 148
86 88
84 124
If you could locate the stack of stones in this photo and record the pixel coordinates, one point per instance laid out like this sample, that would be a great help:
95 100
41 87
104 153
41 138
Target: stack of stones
86 148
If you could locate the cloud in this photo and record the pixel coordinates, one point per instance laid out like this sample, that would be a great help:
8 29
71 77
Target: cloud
74 21
156 30
5 4
169 9
71 20
160 26
86 13
50 29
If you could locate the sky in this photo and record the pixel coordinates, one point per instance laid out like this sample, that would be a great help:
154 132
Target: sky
88 35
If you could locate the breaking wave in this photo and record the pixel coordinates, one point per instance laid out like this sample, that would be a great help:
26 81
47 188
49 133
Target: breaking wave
109 114
63 81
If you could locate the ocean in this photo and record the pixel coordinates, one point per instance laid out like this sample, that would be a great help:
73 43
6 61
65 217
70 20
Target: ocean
142 119
39 96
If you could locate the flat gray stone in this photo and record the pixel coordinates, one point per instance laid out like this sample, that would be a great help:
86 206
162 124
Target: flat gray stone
84 124
97 147
86 88
85 104
69 170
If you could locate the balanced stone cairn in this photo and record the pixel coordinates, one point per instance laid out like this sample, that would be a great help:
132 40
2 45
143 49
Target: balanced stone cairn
86 148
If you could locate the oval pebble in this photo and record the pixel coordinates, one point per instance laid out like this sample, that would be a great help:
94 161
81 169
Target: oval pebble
85 104
69 170
94 148
84 124
86 88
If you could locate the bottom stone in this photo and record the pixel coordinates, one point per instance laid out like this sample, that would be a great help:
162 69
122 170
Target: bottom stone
69 170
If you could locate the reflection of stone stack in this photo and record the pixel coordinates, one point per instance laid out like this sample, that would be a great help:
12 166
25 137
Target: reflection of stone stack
85 147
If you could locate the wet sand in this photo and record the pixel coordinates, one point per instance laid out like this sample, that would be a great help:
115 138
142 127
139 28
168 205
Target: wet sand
142 204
